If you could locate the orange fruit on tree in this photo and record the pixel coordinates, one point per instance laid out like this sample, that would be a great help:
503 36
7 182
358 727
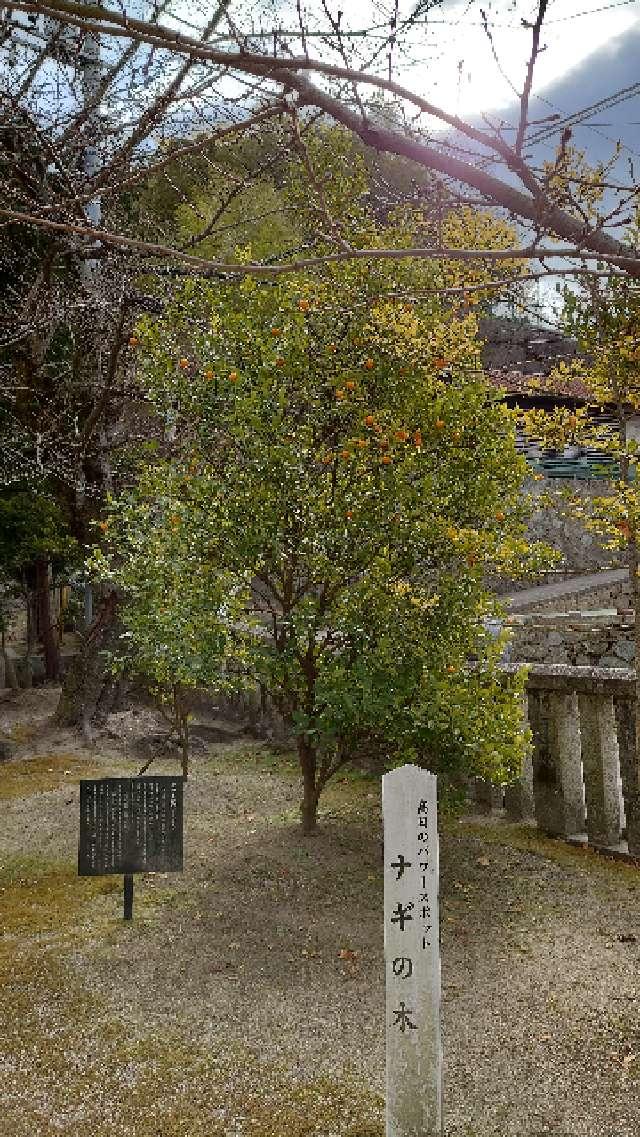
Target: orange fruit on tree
350 385
133 341
304 305
386 459
104 525
369 364
331 347
345 455
500 516
340 394
233 376
276 331
279 361
361 443
417 438
327 460
440 362
439 423
402 435
349 514
209 374
183 363
369 420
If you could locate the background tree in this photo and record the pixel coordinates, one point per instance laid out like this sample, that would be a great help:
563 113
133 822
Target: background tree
35 545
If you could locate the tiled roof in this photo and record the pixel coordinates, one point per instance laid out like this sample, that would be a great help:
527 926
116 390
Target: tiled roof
518 383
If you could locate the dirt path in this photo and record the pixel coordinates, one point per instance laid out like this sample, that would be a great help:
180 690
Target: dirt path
246 998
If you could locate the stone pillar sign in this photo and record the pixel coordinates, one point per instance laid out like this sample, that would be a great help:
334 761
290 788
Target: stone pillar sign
412 954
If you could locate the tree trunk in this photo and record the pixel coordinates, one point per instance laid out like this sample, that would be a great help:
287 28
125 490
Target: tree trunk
10 677
88 676
185 750
25 665
310 791
181 715
50 647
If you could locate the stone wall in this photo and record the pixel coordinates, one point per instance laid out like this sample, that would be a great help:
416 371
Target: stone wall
586 639
581 550
573 598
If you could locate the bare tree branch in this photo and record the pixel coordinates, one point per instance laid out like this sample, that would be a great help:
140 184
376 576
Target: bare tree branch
534 206
529 252
526 91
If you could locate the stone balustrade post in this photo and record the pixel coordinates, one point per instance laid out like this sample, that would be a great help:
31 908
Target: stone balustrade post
557 773
629 771
600 765
518 797
582 721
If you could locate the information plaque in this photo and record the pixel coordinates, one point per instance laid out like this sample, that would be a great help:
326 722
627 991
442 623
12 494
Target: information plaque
130 825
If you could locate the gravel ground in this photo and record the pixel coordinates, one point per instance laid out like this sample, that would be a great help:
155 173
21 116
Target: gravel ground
247 995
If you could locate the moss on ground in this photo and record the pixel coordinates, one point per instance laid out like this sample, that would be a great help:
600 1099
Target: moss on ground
71 1066
27 776
530 840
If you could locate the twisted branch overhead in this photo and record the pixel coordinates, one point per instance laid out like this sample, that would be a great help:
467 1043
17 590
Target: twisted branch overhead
529 252
532 204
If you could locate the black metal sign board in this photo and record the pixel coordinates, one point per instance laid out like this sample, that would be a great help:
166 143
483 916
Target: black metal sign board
130 825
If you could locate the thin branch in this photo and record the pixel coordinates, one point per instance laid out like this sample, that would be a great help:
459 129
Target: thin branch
155 111
531 252
180 152
526 91
100 405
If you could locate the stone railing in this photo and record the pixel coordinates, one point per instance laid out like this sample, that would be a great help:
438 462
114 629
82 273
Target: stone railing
582 780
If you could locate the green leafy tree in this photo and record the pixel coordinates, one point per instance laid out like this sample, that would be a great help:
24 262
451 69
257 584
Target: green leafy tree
341 482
